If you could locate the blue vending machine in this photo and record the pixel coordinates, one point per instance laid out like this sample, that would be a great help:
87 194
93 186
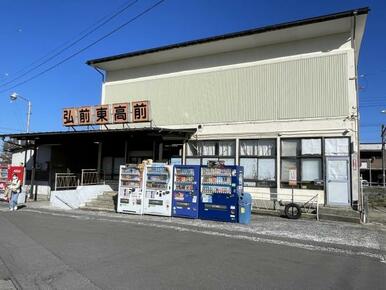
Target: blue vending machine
186 191
220 190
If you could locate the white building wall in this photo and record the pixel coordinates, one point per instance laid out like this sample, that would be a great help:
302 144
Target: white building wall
42 158
296 89
18 158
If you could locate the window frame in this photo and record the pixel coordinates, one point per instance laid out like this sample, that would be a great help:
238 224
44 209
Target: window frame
216 157
257 182
298 158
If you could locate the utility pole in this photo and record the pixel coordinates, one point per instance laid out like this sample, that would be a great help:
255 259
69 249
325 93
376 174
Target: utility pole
383 136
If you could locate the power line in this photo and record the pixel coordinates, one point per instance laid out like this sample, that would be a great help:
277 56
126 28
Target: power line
71 44
62 45
87 47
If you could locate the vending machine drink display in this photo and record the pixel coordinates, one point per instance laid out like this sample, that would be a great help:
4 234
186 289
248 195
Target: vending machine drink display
186 191
130 192
220 188
158 185
3 177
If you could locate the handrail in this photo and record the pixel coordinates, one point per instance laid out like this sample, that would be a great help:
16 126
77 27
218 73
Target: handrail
66 180
91 177
316 196
64 202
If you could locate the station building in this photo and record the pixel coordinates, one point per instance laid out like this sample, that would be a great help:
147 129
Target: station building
270 99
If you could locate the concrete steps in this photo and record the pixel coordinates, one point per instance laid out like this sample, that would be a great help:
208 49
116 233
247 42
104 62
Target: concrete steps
344 214
104 202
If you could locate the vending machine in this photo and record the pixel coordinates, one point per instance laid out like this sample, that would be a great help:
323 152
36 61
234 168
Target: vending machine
186 191
130 191
220 188
3 177
158 189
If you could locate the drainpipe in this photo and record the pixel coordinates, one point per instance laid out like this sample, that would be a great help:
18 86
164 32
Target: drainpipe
101 73
353 29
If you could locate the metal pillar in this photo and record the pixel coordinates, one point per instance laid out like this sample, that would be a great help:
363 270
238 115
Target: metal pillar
25 169
126 151
33 175
99 164
160 151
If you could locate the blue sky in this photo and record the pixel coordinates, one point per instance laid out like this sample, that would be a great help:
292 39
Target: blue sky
29 29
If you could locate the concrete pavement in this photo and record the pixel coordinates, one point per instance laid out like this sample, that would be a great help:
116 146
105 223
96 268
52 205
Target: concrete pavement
45 249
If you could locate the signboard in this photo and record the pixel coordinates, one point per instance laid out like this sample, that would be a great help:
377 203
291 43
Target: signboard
102 115
70 117
18 170
140 111
292 177
121 113
84 115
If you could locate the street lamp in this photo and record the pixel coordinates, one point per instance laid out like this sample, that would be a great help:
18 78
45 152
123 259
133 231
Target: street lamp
14 97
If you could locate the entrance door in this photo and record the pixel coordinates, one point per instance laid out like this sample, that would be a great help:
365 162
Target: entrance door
338 180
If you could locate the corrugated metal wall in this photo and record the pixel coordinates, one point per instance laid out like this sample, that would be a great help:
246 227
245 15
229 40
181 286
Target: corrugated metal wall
302 88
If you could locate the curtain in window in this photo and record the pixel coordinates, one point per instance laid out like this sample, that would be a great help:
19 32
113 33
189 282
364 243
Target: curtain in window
337 170
191 149
286 165
337 146
311 169
266 169
207 148
265 148
250 167
311 146
248 147
226 148
289 147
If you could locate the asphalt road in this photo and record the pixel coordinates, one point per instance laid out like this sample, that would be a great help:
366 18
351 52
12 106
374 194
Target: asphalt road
42 249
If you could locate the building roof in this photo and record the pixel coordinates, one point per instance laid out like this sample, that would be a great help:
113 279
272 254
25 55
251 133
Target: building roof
98 135
226 43
370 147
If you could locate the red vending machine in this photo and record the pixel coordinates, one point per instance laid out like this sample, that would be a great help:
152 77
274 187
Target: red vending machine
18 170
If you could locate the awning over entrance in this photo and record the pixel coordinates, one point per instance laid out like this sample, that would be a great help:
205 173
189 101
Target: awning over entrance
41 138
102 150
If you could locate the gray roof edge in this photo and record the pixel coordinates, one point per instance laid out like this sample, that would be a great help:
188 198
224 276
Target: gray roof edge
35 135
327 17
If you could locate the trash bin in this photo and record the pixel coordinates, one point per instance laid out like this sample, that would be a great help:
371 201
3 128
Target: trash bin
245 208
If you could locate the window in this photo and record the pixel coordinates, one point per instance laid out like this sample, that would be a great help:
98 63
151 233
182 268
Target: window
336 146
306 156
258 157
200 152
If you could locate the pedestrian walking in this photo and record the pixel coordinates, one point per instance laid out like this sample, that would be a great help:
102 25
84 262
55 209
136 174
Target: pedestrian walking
14 188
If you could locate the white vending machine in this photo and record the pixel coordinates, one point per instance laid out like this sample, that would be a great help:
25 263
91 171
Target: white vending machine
130 192
158 189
